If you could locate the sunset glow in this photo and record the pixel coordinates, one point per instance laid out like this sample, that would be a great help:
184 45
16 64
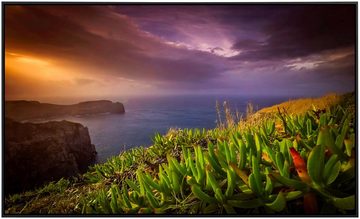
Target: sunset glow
88 51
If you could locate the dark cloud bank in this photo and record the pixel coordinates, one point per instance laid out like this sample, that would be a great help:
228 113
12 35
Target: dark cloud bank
267 49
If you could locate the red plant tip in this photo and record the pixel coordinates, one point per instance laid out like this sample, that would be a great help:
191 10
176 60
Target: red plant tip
294 152
300 165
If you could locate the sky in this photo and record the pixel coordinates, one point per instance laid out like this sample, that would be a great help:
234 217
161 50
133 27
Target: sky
96 51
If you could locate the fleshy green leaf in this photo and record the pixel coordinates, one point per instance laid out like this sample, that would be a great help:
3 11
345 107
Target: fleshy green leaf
254 203
347 203
292 183
332 169
278 204
315 163
326 139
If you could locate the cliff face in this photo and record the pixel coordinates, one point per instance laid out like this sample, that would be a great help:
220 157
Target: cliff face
38 153
23 110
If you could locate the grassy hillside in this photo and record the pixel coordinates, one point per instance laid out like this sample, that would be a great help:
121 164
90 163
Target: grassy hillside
294 158
299 106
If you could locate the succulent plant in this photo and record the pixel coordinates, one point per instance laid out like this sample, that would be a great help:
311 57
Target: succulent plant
258 170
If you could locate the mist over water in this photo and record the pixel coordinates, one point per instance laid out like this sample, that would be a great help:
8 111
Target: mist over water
145 116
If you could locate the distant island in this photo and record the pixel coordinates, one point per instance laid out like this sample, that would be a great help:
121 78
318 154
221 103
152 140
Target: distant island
21 110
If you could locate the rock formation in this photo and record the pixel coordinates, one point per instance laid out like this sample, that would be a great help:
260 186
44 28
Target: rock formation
24 110
38 153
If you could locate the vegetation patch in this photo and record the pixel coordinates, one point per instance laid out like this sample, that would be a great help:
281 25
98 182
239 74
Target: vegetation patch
283 163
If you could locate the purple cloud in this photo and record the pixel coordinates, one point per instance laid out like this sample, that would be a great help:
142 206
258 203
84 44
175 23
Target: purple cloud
240 48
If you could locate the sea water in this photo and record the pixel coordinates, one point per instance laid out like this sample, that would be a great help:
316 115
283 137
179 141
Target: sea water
146 116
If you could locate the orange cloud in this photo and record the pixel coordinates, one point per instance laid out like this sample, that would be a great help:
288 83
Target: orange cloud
40 78
33 67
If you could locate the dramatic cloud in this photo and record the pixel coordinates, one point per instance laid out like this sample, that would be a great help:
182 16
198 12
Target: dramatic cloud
62 50
302 31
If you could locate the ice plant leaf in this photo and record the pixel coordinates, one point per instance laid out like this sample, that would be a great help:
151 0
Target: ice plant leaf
293 195
253 185
269 185
347 203
126 199
231 177
286 169
219 196
254 203
240 173
214 161
332 169
229 209
152 200
175 181
191 180
147 179
349 145
279 161
340 138
258 144
300 165
256 173
269 154
334 174
315 164
242 155
196 190
278 204
214 184
325 139
132 185
292 183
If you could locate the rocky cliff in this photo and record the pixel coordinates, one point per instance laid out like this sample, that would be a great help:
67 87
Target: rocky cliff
38 153
23 110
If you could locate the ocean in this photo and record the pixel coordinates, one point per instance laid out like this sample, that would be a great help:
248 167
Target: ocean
146 116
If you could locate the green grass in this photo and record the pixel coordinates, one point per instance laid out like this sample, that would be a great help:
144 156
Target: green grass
261 165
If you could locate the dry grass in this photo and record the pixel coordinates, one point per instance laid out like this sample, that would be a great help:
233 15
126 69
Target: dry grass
299 106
